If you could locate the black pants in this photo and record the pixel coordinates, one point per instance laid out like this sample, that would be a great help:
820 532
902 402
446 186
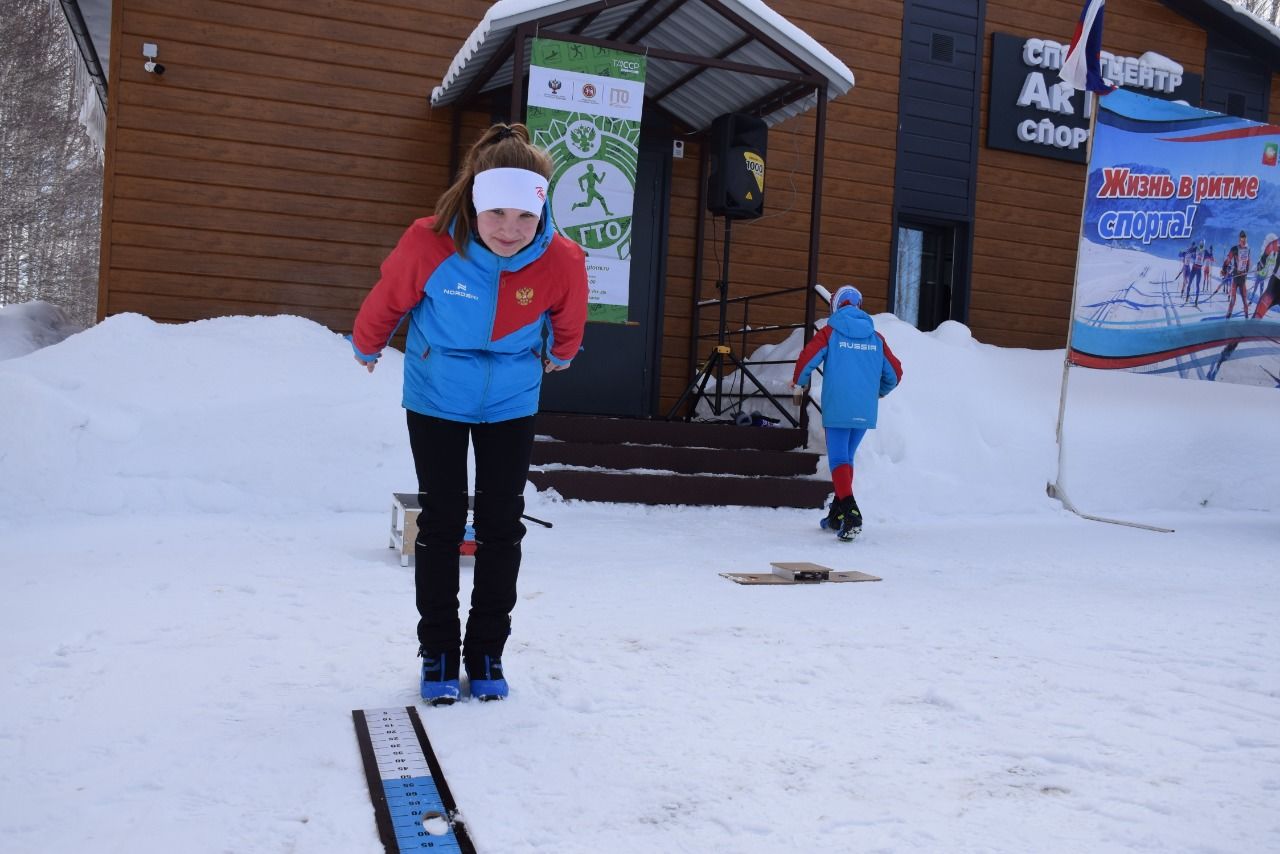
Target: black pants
502 452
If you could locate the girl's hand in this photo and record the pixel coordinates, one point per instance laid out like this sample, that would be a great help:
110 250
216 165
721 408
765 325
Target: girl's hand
369 366
548 366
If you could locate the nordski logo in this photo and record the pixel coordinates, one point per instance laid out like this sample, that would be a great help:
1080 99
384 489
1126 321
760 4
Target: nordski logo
460 290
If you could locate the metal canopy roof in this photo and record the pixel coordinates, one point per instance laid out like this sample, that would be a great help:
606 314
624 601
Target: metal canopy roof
90 23
705 57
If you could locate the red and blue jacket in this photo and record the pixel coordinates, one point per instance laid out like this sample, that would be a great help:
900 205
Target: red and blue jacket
475 345
858 369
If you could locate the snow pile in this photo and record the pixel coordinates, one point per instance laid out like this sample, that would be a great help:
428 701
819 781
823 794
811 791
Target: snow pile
252 414
971 430
29 326
269 414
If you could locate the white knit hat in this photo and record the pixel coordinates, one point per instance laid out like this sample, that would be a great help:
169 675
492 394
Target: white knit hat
846 294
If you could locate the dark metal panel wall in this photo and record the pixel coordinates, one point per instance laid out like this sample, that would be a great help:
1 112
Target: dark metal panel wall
1235 81
941 70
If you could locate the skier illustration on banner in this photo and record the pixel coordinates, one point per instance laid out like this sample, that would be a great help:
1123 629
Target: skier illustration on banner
1268 297
1173 269
1265 296
1235 275
1266 266
1188 257
1197 272
1208 262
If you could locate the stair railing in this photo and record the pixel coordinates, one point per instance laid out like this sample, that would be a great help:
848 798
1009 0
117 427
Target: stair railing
743 333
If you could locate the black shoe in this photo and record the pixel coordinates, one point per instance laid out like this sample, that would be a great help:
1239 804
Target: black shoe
850 520
439 679
839 508
833 516
485 674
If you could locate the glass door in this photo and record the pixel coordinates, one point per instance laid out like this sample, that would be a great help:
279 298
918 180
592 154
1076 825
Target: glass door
924 272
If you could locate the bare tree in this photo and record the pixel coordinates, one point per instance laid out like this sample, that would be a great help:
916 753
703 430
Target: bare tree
1263 10
50 172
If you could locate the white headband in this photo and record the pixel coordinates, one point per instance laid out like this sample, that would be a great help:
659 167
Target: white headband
519 189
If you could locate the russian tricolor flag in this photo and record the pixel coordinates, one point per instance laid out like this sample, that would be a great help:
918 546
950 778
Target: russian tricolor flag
1082 69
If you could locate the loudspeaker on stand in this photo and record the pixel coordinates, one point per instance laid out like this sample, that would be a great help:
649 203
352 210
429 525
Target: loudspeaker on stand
738 146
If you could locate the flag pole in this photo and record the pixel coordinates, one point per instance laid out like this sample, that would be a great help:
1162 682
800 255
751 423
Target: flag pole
1056 489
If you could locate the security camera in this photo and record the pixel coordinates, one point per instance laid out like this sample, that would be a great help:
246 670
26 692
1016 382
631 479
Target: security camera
151 51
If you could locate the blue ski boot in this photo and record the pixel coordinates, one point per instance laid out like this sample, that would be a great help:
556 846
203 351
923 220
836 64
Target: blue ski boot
485 673
440 686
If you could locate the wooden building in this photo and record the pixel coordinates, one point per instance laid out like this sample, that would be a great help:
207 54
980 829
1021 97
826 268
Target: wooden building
286 146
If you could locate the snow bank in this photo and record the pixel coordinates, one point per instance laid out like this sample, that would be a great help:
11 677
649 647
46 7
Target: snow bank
258 414
271 415
29 326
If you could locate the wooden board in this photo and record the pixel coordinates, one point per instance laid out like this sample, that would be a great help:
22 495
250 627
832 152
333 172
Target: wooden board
801 571
404 524
798 573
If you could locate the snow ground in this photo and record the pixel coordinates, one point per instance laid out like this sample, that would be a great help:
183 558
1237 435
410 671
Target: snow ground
197 592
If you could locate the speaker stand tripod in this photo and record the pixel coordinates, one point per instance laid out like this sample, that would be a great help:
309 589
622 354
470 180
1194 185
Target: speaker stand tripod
715 363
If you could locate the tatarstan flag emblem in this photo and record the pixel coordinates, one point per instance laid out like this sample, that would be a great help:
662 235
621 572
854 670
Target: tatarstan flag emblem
1269 153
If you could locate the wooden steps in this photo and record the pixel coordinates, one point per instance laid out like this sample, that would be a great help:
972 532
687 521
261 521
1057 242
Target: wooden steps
637 461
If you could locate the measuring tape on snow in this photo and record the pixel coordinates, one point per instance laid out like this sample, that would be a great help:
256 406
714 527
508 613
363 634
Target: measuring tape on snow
411 801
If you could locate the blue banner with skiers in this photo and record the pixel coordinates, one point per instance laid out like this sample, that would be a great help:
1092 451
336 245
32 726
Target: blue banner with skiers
1176 272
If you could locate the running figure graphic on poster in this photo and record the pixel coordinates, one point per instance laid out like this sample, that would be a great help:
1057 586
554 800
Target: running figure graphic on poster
587 183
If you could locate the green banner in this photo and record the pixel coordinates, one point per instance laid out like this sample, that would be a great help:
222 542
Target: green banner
584 109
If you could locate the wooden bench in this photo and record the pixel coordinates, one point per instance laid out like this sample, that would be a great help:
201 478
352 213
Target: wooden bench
405 510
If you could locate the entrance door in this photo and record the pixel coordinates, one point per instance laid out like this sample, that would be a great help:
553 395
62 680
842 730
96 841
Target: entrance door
923 279
616 372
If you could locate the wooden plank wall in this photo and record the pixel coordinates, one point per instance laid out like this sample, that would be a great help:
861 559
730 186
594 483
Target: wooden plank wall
280 156
289 144
1027 220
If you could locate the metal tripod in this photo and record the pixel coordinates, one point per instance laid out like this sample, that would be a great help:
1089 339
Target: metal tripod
715 362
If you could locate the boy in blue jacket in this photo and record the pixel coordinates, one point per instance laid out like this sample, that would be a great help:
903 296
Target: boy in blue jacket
858 369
